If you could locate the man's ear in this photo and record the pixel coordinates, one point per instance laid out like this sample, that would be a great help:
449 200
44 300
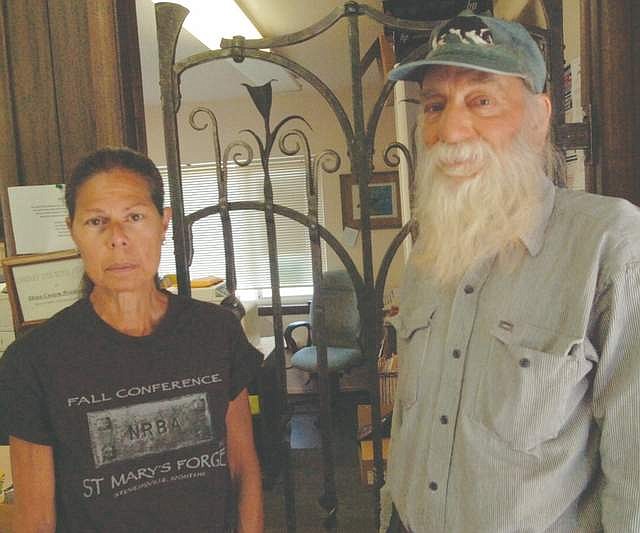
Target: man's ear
542 120
546 102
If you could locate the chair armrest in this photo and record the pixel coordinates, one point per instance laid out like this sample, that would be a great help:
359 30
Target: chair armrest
288 334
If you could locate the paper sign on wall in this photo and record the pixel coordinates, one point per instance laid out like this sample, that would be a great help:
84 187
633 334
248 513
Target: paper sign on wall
38 217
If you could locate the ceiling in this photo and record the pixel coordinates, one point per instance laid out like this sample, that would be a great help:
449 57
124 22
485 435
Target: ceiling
326 55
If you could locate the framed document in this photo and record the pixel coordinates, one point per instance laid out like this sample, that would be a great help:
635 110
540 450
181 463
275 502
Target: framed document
384 200
41 285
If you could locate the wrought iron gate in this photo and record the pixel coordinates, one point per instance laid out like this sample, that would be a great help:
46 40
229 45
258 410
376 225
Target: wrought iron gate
359 137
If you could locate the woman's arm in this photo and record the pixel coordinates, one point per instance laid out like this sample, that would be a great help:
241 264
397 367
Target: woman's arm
244 466
34 482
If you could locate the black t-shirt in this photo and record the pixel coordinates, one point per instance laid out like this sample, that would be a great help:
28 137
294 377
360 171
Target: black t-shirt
137 424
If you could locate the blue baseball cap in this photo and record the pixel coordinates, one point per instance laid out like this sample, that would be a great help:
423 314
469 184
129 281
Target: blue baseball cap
481 42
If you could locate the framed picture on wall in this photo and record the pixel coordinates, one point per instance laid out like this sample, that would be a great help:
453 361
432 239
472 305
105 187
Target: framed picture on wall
384 200
40 285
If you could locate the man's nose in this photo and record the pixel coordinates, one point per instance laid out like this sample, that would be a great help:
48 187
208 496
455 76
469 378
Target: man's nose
118 235
455 125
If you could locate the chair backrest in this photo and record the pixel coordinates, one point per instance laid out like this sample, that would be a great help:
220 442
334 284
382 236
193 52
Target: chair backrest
342 319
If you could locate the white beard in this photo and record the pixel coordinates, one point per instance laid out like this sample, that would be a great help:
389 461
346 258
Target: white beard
462 222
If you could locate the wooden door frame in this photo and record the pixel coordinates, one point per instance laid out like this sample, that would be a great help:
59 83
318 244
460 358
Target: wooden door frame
611 94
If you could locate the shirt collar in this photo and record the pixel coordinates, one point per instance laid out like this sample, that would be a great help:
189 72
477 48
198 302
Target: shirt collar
534 238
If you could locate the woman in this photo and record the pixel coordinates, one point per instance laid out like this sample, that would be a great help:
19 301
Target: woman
128 410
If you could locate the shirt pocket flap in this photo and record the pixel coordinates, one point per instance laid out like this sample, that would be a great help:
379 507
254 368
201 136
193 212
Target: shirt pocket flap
414 331
415 319
535 338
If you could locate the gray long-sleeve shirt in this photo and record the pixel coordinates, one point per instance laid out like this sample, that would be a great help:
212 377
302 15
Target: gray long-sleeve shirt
518 403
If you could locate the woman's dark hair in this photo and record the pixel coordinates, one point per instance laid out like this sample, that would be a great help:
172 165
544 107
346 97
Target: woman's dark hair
107 159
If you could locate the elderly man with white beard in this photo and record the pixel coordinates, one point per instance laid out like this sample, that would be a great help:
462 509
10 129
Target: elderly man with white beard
518 400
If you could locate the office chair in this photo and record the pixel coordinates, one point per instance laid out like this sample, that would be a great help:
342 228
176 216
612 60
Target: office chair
342 327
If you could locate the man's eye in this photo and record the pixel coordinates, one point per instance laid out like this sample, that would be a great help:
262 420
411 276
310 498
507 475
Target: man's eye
95 221
433 107
483 101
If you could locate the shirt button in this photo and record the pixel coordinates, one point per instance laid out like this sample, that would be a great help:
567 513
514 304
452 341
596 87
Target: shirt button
433 485
468 289
456 354
524 362
444 419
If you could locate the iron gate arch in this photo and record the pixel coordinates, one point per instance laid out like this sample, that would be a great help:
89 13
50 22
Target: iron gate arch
359 138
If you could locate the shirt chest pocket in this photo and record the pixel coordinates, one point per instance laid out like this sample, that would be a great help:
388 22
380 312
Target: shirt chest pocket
413 342
532 381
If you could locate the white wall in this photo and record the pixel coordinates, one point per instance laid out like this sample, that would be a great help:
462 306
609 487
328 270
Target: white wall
571 18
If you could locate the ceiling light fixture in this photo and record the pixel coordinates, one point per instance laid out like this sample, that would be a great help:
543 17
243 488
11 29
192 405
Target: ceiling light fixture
211 20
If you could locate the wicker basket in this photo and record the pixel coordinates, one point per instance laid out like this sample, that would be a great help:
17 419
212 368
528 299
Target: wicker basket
387 382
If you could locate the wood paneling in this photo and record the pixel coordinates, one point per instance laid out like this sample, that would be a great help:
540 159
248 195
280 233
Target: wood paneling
116 73
615 96
131 75
76 105
8 155
587 73
105 73
33 92
635 98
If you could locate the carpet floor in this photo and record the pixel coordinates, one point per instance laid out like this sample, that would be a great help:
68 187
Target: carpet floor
355 511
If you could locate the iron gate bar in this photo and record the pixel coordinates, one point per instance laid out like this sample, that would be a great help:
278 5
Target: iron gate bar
328 500
169 19
361 152
385 264
360 143
221 179
372 54
261 97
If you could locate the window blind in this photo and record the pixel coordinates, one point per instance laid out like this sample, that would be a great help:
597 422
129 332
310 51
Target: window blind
200 190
